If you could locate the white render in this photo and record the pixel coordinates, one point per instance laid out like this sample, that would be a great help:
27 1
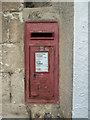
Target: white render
80 65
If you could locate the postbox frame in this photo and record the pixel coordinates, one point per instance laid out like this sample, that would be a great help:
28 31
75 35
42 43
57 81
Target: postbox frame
27 69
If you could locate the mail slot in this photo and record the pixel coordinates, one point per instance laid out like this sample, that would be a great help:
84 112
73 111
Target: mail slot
41 62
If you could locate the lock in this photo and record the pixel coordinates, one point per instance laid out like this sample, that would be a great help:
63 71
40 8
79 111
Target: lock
42 62
34 75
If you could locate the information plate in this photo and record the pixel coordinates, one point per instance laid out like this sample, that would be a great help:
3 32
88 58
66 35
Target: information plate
41 61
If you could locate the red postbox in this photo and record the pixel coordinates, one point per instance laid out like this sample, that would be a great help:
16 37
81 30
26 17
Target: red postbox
41 62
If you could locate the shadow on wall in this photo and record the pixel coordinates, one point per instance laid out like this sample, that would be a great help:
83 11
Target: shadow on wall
37 4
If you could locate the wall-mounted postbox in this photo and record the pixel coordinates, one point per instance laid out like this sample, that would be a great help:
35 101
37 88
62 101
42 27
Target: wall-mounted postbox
41 62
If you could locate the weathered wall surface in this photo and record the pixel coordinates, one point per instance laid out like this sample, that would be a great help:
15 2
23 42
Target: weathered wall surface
80 78
0 61
88 60
13 17
13 61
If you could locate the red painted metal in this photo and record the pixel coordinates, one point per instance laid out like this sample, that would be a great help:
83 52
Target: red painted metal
42 87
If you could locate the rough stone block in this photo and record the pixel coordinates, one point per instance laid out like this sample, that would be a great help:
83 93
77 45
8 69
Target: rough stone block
0 96
11 6
67 11
16 31
0 111
40 14
5 88
0 59
14 111
0 87
41 109
66 60
0 25
5 29
17 84
12 57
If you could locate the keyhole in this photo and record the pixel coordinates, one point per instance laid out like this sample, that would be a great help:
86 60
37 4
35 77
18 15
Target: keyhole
34 75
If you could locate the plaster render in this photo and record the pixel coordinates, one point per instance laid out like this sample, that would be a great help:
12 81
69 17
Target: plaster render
80 66
63 13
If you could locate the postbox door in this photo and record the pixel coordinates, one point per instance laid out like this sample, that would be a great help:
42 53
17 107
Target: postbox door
42 71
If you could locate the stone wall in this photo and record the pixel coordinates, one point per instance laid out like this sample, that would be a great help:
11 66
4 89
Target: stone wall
0 61
13 17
